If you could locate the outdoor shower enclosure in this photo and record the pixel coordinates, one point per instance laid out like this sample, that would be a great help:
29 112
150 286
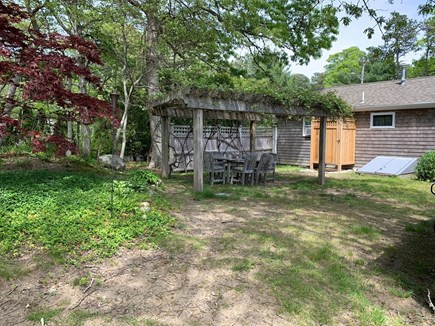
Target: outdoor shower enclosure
340 143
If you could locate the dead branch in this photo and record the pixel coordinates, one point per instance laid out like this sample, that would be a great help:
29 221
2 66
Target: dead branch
11 291
429 301
81 300
90 285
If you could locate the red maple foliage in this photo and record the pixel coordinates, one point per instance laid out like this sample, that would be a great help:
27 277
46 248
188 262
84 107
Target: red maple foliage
43 63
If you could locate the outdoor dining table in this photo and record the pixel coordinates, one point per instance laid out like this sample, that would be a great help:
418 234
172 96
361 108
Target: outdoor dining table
231 162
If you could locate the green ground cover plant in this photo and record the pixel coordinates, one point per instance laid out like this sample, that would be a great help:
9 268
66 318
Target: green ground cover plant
358 251
69 214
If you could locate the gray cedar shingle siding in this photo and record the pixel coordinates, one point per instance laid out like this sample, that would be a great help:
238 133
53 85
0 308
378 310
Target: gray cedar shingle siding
413 135
293 148
414 107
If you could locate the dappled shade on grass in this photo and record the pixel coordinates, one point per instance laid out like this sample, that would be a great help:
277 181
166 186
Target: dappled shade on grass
324 252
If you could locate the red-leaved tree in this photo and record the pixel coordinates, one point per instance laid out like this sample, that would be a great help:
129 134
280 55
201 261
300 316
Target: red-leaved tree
34 68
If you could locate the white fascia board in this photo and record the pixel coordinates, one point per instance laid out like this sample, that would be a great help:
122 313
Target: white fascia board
427 105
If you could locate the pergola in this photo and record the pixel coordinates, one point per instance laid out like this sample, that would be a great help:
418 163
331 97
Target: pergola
199 104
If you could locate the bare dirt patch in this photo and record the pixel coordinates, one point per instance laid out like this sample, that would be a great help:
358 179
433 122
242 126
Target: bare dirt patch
194 279
148 285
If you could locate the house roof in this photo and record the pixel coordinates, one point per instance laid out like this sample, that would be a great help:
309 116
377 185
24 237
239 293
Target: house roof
415 93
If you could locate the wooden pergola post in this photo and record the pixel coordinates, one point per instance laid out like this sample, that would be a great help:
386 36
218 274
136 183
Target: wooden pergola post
165 146
339 144
252 127
198 147
322 151
191 102
275 140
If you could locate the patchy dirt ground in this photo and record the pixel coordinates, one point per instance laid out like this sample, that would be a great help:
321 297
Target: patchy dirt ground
148 285
185 281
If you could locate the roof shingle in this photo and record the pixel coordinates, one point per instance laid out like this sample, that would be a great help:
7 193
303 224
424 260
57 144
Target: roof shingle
415 93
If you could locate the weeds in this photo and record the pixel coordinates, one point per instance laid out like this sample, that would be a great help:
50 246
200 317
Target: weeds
70 214
313 246
45 314
420 227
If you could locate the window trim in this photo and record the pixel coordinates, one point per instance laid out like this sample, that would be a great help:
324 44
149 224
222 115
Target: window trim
393 122
304 134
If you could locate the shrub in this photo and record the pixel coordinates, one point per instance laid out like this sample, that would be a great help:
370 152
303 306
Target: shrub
142 179
425 169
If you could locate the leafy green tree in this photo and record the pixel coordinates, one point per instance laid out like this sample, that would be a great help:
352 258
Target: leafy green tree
43 63
212 31
425 66
379 65
318 79
400 36
427 8
300 81
183 36
344 67
122 40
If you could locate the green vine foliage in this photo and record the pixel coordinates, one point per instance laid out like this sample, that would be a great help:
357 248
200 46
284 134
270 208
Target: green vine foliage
309 100
273 85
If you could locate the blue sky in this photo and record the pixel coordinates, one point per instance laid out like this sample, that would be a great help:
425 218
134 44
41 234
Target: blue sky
353 35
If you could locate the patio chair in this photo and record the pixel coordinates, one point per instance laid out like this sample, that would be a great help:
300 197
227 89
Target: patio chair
215 170
263 168
271 170
243 173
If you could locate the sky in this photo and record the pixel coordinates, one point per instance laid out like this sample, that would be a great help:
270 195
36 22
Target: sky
353 35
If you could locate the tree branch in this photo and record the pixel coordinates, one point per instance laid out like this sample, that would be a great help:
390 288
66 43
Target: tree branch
429 301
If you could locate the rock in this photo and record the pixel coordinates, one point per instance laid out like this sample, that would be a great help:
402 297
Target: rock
145 207
106 160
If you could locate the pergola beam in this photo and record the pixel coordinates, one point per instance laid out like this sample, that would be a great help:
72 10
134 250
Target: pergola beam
191 98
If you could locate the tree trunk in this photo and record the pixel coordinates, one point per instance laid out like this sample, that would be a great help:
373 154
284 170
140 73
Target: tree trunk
69 135
69 132
86 149
152 82
9 105
123 126
86 130
124 137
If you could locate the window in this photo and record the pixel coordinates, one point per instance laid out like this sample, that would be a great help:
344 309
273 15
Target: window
306 127
383 120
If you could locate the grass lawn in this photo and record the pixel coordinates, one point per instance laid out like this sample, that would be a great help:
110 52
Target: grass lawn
358 251
355 251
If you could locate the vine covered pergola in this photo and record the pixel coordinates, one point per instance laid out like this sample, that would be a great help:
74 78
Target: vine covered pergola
198 104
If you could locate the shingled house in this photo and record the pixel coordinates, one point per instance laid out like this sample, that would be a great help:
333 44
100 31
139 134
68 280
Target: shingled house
393 118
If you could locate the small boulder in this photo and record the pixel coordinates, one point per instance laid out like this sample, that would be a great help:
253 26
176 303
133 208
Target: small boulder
106 160
145 207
